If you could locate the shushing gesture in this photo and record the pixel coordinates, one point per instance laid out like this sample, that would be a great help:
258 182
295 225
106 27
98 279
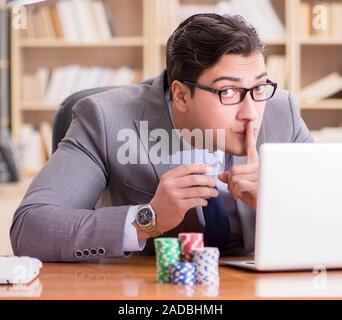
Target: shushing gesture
242 180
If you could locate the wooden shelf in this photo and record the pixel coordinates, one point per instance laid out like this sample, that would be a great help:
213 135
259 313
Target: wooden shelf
328 104
321 41
57 43
38 106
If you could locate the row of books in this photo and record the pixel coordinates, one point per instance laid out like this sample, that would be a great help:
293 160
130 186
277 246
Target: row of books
260 13
53 86
324 88
321 19
276 69
71 20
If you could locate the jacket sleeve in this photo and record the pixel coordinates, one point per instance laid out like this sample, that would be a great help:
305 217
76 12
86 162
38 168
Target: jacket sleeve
301 133
56 219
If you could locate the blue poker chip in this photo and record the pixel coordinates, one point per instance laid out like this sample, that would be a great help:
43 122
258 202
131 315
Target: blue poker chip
183 273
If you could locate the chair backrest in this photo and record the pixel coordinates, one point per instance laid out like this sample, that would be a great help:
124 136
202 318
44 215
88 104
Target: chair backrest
63 116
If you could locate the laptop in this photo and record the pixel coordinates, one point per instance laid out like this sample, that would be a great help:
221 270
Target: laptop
299 209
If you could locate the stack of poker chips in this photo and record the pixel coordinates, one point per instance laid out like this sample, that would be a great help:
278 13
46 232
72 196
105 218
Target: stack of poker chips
186 261
206 263
167 252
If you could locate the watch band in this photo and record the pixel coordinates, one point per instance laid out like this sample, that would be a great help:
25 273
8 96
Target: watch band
152 231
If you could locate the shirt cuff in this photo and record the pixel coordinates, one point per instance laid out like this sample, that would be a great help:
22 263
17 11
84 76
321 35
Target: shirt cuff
130 240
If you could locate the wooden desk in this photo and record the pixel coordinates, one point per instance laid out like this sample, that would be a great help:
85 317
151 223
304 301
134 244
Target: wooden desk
134 278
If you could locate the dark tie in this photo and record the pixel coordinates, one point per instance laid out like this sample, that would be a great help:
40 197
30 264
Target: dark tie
217 226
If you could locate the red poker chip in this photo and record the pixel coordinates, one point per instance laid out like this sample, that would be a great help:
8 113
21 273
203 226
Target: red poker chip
188 242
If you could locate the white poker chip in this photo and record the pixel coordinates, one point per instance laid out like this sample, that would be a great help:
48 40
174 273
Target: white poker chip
206 262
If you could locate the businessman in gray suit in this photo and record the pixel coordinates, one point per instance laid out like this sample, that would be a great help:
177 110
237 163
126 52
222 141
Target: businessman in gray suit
85 203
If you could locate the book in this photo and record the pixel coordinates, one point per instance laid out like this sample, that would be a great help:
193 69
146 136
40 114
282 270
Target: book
47 21
109 20
83 19
70 31
31 30
39 23
57 23
100 16
322 89
305 18
276 69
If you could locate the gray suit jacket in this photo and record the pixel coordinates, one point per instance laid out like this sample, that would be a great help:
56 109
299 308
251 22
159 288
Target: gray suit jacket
57 216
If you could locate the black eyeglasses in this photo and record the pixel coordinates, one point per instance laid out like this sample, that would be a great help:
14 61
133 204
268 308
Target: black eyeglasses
232 95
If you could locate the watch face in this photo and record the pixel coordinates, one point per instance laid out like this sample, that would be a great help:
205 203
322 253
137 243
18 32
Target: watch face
145 216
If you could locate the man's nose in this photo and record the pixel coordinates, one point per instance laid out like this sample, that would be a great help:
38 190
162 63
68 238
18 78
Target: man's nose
247 109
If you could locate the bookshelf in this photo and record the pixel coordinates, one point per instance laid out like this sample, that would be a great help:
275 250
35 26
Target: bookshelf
318 55
142 28
128 47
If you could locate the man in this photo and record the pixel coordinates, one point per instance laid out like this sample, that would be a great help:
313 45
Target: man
215 78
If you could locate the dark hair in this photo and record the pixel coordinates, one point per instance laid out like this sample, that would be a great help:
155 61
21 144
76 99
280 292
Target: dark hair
202 39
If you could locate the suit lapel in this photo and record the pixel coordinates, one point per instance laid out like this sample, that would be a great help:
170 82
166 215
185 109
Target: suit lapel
159 126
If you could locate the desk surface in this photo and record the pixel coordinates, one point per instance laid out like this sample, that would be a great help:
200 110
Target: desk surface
134 278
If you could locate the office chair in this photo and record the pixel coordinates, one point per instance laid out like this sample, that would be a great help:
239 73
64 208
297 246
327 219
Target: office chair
63 116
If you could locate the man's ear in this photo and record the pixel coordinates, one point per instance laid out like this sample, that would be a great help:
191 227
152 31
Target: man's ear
181 96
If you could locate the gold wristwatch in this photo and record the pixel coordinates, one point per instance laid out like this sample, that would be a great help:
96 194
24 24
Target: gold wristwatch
146 219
